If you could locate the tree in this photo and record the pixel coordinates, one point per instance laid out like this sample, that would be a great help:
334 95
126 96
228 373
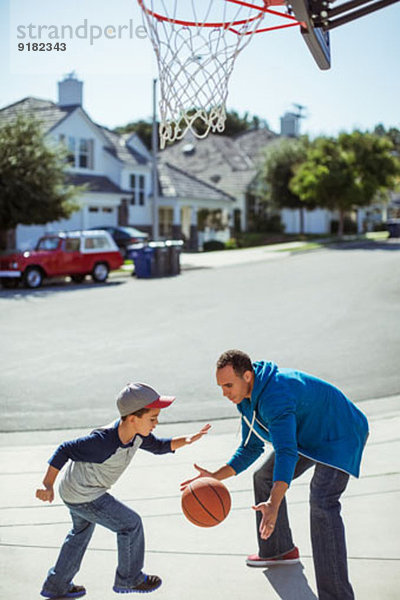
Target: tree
344 173
272 182
33 187
392 133
144 129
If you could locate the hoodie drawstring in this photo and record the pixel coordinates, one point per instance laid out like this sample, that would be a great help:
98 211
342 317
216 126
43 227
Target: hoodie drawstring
251 428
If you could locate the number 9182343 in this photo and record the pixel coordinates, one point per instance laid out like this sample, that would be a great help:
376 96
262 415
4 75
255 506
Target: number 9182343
42 47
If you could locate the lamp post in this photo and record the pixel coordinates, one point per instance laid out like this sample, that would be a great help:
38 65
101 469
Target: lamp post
154 149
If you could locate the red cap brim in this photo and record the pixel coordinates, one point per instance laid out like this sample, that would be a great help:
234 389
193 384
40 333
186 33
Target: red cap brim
162 402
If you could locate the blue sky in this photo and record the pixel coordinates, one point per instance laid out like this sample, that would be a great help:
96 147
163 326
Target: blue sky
275 70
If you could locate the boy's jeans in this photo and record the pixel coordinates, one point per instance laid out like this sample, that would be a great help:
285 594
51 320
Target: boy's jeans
327 529
114 515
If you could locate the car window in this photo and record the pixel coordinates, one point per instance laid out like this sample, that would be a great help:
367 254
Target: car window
48 243
72 245
98 242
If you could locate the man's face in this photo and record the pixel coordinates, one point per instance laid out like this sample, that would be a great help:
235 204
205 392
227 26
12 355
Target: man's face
234 387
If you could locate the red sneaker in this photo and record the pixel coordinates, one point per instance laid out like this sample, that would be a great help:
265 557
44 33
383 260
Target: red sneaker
290 558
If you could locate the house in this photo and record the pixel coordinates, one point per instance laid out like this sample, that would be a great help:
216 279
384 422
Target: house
227 163
117 170
182 198
231 164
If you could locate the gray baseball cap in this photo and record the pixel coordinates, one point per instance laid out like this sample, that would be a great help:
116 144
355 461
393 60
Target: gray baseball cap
135 396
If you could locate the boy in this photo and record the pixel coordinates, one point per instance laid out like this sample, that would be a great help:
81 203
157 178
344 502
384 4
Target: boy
96 462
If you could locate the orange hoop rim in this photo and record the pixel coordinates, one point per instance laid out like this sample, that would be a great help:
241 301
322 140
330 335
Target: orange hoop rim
224 25
229 24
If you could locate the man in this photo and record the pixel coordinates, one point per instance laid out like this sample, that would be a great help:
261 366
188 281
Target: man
310 423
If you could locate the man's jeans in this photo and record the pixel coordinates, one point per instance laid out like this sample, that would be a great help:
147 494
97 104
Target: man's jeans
327 529
114 515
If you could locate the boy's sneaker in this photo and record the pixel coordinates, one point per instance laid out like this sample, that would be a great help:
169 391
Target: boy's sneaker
290 558
75 591
150 583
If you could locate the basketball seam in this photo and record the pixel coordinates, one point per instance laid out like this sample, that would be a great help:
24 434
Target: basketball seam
201 504
185 510
219 498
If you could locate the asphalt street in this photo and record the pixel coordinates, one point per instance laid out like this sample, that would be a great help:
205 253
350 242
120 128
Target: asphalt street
67 350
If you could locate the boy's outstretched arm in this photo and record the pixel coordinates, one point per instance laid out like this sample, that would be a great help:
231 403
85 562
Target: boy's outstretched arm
178 442
47 494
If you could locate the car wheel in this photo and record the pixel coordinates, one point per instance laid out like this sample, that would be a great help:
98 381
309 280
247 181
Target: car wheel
33 278
100 272
78 278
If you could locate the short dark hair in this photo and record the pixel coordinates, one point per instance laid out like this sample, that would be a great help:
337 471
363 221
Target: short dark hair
137 413
238 360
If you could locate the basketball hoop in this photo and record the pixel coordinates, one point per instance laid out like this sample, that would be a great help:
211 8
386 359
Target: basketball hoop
197 43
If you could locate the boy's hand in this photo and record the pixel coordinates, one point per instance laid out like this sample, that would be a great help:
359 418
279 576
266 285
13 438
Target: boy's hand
196 436
202 473
180 442
46 495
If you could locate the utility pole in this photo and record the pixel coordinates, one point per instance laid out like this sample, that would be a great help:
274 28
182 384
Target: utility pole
154 149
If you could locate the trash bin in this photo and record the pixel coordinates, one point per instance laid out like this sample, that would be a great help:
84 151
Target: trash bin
160 258
174 256
157 259
144 260
393 227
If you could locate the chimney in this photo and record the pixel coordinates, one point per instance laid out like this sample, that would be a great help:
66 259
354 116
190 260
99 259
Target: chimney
70 91
290 125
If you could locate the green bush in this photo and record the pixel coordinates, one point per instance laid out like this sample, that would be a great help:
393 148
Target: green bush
231 244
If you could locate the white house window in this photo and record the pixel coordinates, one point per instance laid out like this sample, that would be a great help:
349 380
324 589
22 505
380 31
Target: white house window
85 158
137 184
80 151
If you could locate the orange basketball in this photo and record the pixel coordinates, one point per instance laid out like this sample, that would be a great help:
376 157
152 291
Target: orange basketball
206 502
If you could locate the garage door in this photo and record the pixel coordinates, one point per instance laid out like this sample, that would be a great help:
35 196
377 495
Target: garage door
101 216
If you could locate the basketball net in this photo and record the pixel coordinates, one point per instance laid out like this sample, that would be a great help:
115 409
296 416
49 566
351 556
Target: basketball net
197 43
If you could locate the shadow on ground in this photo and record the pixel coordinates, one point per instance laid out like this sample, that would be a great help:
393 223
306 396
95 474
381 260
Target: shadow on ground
289 582
391 244
53 288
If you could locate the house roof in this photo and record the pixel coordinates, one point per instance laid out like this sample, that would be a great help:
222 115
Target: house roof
120 149
51 114
178 184
96 183
227 163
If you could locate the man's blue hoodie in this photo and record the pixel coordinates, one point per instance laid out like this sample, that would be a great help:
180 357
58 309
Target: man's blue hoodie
299 414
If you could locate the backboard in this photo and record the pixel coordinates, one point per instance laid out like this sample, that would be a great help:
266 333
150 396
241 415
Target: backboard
316 39
318 18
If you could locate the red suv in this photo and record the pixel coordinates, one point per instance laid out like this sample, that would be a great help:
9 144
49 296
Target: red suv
74 253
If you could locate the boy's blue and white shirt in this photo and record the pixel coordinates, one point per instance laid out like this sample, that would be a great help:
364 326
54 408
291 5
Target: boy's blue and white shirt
97 460
299 414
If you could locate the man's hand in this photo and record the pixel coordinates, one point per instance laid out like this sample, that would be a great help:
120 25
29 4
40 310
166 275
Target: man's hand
46 494
193 437
222 473
202 473
269 516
